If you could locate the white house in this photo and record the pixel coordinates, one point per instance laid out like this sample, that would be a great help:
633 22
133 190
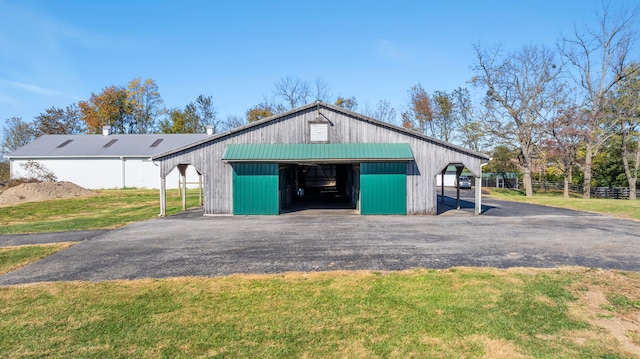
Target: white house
104 161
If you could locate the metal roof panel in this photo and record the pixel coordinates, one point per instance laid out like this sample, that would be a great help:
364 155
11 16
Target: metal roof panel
104 146
317 152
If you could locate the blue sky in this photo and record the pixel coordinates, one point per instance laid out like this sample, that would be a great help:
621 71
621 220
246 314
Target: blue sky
54 53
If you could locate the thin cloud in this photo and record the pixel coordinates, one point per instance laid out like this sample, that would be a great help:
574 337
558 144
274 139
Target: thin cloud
29 87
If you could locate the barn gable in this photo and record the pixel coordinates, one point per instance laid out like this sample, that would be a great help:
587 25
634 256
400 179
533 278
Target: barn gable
322 124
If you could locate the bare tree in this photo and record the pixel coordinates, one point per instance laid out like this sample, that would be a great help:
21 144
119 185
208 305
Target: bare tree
17 133
36 171
232 122
322 90
294 91
57 121
383 111
521 90
626 109
470 129
567 131
599 58
207 113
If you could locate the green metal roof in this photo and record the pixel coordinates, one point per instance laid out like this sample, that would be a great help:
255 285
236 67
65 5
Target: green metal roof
507 175
333 152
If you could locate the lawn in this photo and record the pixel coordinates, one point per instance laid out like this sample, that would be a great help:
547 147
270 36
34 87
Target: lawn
456 313
108 209
15 257
615 207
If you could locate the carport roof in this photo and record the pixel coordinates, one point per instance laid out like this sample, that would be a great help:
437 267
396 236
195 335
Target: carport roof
333 152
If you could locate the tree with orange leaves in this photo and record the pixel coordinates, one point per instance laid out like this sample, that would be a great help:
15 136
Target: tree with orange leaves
419 115
108 108
131 109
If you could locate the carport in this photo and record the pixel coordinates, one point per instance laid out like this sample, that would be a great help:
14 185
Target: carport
478 186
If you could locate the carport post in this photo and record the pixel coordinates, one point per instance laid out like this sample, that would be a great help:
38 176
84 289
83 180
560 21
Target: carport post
200 203
163 196
479 189
184 192
442 185
479 194
182 168
458 173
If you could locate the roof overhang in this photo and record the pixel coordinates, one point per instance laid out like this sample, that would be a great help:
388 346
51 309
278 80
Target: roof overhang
318 153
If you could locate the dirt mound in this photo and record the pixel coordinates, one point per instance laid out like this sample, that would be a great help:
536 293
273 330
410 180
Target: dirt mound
41 191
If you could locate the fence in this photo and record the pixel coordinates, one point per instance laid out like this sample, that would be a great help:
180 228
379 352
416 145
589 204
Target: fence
596 192
498 182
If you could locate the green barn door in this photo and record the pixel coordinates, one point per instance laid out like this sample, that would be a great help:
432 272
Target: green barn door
255 188
383 188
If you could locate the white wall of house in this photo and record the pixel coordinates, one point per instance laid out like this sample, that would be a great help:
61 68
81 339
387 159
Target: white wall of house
449 180
106 173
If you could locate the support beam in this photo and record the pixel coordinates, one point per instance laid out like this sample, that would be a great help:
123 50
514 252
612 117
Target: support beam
182 168
442 185
123 172
479 194
458 173
200 201
163 196
184 193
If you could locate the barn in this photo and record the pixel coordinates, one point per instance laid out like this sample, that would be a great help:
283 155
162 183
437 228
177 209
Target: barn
320 156
103 161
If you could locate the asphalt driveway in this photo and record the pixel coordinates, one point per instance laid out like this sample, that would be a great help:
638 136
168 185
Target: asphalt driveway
507 235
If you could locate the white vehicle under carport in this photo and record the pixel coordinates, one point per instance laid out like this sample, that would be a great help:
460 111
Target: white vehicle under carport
463 182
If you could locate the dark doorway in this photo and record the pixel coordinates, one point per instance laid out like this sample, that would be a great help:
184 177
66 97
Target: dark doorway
318 186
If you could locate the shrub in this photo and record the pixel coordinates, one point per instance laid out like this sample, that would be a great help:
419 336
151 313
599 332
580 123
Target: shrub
38 171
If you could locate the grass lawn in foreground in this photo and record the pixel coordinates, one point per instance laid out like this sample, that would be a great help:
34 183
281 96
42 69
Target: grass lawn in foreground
107 209
456 313
15 257
616 207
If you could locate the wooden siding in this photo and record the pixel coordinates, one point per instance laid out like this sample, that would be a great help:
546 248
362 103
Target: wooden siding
431 157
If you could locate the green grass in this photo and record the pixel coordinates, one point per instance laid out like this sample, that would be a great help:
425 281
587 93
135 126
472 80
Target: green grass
458 313
107 209
615 207
12 258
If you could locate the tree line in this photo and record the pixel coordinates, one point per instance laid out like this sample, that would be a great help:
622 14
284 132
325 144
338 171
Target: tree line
573 109
565 105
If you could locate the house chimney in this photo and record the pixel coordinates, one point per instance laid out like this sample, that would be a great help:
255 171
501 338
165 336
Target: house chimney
106 130
209 129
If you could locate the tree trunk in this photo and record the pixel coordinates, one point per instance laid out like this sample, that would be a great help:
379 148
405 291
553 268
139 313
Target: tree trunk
565 194
630 173
526 181
587 171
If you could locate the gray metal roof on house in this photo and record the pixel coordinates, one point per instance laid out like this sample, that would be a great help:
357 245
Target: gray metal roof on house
148 145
